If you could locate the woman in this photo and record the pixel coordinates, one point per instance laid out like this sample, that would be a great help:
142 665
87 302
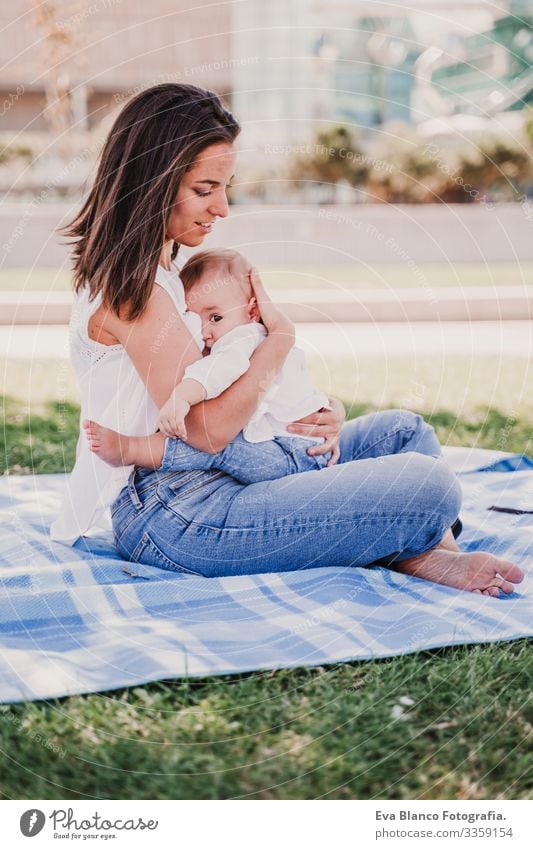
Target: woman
391 499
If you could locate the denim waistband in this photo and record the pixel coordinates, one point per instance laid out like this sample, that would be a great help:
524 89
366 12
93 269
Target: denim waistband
139 483
143 484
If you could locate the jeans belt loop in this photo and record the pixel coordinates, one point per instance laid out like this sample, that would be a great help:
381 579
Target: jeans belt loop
137 503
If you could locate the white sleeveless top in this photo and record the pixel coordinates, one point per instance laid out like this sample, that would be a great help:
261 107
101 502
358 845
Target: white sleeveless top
113 394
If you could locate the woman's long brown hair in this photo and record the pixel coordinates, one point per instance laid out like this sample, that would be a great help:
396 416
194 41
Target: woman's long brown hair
120 230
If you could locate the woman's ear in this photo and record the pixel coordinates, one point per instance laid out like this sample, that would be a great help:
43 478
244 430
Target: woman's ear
253 310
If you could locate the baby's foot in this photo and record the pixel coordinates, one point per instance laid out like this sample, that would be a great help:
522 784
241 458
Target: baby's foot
477 572
112 447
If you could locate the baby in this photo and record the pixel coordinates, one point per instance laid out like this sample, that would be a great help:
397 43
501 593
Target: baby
219 295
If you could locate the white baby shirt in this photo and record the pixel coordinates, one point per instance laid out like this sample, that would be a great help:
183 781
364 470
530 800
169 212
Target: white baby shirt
291 396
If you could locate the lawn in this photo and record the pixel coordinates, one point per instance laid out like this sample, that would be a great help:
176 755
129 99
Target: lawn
463 385
303 733
382 276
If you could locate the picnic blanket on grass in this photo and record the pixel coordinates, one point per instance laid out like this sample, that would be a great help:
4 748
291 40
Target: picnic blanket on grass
73 621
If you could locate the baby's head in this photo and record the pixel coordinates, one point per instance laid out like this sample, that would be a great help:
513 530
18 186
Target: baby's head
217 287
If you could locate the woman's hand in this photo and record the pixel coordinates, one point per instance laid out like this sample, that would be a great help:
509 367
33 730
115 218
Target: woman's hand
328 425
273 318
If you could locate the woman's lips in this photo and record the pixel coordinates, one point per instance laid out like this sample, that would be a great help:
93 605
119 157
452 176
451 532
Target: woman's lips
206 227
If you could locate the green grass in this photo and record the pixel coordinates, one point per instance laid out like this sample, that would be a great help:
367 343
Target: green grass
382 276
379 276
466 386
303 733
35 279
463 385
39 440
42 438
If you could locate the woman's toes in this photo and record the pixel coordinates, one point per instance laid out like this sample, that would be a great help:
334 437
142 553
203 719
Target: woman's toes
511 572
492 591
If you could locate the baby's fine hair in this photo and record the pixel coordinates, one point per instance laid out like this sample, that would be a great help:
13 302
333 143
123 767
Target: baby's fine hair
231 263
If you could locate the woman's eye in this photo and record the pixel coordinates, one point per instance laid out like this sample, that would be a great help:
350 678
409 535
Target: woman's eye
215 317
203 194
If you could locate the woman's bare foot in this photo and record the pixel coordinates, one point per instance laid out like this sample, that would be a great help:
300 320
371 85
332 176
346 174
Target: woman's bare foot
119 450
448 542
478 571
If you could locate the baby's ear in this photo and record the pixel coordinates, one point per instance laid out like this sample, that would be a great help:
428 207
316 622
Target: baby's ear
253 310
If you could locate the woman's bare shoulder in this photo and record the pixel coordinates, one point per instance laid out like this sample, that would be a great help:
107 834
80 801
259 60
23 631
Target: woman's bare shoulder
110 328
99 327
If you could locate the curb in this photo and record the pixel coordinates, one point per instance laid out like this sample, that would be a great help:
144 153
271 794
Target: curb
509 303
410 305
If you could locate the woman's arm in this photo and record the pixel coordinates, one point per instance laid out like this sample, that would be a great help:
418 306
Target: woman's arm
161 347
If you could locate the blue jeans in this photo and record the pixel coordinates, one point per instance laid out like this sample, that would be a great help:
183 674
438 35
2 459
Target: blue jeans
247 462
390 497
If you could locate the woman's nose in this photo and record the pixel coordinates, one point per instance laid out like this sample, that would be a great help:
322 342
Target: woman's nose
219 205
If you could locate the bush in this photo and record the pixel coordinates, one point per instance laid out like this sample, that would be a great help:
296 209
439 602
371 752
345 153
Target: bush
12 150
334 158
412 170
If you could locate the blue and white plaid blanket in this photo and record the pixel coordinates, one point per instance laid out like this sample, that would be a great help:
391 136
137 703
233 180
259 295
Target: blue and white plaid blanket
73 621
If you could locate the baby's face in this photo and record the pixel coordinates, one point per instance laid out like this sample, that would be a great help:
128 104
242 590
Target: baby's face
221 303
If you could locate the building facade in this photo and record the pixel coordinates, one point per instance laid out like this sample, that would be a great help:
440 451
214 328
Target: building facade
102 52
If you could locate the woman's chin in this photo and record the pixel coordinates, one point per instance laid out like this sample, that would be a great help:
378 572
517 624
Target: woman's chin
191 240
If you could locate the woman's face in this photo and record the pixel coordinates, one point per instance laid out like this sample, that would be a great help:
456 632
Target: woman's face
201 198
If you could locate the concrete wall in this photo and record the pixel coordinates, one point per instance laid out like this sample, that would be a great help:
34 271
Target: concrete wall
308 235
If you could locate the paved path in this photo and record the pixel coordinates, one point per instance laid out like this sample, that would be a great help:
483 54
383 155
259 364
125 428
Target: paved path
479 339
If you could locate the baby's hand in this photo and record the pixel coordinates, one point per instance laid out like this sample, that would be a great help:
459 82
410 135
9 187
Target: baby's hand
172 417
